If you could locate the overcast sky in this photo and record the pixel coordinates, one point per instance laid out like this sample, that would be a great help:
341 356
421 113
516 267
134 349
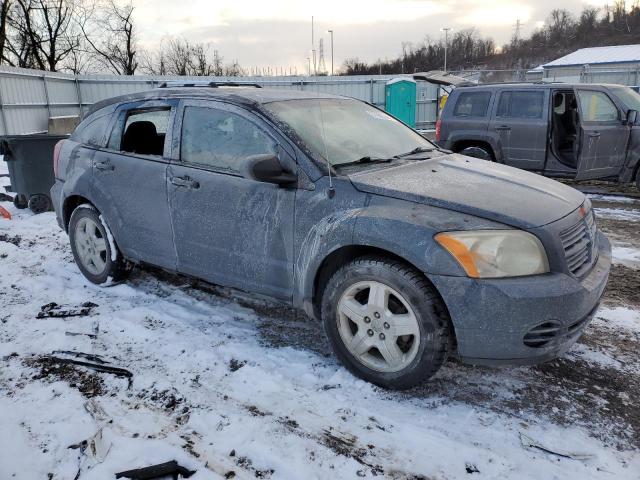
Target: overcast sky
277 33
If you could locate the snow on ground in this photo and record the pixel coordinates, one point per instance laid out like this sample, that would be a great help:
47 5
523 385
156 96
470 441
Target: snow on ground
613 198
618 214
626 255
225 384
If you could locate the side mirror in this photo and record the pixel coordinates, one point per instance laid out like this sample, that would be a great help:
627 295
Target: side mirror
267 168
632 116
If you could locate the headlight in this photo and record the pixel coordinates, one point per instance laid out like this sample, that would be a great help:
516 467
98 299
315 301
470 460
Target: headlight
496 253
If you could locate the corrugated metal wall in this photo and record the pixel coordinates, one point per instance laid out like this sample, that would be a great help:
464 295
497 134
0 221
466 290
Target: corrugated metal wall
29 97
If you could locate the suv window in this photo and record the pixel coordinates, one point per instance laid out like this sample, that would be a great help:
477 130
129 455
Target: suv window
93 132
597 107
472 104
220 139
144 132
521 104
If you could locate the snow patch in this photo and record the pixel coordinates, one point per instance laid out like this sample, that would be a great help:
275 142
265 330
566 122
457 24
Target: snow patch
112 243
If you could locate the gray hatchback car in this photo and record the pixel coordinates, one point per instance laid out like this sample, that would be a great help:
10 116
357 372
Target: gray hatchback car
580 131
406 252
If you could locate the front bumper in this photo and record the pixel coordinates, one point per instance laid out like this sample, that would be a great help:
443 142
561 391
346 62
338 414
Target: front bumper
492 317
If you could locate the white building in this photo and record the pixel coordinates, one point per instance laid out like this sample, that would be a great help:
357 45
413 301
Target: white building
616 64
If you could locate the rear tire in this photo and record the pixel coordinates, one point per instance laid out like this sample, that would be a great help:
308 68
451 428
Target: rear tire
477 152
385 322
93 247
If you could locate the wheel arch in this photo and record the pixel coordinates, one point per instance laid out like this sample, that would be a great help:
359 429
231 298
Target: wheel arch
70 204
462 144
342 255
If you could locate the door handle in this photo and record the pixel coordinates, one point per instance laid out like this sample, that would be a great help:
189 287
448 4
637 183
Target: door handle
503 127
594 134
184 182
105 166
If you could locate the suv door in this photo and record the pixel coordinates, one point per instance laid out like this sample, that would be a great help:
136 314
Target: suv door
520 120
604 136
228 229
129 181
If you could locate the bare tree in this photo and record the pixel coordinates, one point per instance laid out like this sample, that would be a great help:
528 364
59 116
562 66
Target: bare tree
110 34
5 7
44 32
178 56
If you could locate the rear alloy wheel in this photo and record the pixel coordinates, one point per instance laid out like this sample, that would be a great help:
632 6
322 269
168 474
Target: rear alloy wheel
477 152
93 252
385 322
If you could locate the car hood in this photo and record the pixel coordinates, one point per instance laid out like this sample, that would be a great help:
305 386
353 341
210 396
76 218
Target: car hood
477 187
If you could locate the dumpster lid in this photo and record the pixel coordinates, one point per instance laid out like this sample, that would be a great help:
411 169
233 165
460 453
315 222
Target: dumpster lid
440 77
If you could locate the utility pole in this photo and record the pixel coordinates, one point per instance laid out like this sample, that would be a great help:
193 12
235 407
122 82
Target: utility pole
309 61
446 31
331 32
313 48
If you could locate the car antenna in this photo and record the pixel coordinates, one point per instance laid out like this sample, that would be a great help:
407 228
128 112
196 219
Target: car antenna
332 191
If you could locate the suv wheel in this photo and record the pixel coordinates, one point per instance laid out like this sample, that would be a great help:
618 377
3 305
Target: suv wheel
385 322
92 250
477 152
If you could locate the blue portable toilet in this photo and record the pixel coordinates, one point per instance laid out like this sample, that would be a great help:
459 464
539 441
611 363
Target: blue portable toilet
401 100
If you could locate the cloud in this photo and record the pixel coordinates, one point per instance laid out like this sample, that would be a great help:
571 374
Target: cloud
278 32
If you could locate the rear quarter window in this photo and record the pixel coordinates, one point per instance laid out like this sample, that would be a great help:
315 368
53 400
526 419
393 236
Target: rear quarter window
472 104
93 132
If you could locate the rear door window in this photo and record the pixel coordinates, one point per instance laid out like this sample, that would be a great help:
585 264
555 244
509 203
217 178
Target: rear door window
472 104
597 107
220 140
144 132
521 104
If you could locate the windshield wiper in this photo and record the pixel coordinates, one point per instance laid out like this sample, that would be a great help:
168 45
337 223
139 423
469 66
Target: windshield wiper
366 159
414 151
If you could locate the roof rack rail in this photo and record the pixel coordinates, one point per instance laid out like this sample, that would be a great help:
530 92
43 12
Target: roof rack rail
208 84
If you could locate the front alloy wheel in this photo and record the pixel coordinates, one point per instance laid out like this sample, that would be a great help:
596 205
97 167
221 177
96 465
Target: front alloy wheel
385 322
378 326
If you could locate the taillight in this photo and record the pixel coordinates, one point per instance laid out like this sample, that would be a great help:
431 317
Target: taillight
56 157
438 127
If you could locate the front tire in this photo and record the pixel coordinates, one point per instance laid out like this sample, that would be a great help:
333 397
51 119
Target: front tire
97 257
385 322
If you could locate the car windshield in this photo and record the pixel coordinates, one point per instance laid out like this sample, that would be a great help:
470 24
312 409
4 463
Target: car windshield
345 130
630 97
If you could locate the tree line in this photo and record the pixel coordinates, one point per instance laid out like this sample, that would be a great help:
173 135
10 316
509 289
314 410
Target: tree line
81 36
561 34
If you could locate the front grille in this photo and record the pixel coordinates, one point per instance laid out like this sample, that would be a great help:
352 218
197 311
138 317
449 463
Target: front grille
542 334
579 245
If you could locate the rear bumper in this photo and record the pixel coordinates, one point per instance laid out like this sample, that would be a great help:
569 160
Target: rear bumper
492 317
57 200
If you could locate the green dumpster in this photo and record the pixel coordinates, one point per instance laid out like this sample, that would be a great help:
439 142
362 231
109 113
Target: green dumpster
401 100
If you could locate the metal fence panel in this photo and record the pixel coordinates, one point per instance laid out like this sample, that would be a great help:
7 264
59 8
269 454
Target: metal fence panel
29 97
